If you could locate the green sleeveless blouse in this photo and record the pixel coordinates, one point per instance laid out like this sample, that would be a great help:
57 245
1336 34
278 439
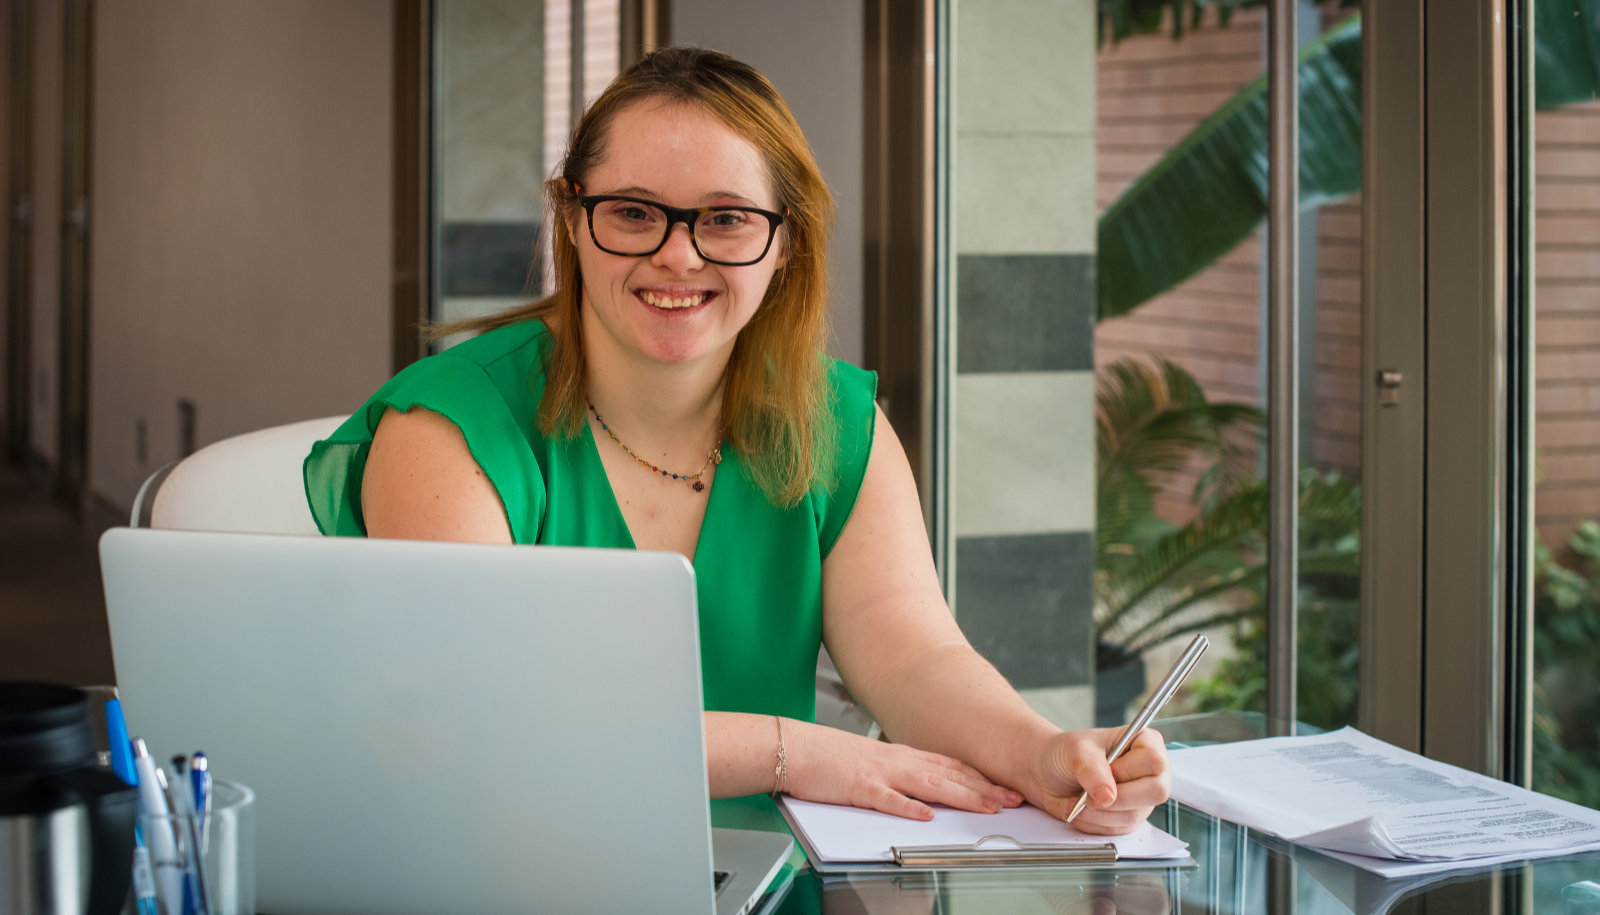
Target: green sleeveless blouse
758 568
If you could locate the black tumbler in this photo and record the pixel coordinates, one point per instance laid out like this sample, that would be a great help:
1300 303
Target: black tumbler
66 825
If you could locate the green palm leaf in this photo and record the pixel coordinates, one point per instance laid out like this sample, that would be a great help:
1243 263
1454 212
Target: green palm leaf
1566 53
1208 193
1163 576
1210 571
1152 418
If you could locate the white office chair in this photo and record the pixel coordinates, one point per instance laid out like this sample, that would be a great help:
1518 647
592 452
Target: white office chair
250 484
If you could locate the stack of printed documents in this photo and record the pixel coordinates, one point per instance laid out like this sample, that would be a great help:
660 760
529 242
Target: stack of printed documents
1377 806
843 839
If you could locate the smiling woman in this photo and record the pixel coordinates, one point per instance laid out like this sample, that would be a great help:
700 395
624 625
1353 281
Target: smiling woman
733 142
685 326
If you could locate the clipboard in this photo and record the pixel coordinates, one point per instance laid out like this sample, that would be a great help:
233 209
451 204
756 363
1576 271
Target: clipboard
981 855
1016 854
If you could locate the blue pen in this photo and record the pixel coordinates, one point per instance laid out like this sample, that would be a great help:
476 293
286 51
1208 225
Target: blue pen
195 901
121 746
200 776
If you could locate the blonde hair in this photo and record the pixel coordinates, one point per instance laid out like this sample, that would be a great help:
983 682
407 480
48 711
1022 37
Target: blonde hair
775 407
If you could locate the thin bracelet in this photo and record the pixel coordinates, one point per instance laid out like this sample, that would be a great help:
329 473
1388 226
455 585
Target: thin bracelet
780 772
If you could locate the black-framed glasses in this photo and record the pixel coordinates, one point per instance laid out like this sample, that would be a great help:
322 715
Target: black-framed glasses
633 227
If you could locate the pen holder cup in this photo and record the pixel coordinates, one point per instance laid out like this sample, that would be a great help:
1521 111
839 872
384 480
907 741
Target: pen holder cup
166 876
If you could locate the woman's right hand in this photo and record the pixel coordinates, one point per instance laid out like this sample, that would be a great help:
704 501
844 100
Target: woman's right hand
831 766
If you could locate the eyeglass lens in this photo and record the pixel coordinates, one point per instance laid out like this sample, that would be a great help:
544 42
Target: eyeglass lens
629 227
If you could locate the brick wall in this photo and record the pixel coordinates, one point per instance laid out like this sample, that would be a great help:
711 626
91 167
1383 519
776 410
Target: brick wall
1567 306
1152 92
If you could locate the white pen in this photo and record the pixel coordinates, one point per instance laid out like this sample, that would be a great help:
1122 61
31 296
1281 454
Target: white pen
163 845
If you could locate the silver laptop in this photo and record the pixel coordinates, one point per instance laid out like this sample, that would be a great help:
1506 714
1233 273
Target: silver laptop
434 727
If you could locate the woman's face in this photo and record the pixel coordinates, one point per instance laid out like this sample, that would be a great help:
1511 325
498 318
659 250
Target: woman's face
672 307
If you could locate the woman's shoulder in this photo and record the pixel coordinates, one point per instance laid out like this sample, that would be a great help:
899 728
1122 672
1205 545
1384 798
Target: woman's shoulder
486 388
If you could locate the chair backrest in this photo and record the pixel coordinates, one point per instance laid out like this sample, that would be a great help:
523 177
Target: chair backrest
250 483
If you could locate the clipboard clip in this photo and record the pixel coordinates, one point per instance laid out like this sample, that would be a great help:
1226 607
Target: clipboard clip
1017 854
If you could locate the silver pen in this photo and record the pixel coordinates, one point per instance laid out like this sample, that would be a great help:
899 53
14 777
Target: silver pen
1169 685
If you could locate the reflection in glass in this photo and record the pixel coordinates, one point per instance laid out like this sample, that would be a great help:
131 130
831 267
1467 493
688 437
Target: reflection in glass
1566 672
488 162
1180 346
1060 892
1566 726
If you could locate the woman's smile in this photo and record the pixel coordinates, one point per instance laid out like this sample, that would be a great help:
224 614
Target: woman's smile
674 301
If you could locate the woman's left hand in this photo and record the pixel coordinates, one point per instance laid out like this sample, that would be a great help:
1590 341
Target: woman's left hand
1121 795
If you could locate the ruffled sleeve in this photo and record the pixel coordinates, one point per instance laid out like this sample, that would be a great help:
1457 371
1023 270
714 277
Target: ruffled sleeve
460 391
855 412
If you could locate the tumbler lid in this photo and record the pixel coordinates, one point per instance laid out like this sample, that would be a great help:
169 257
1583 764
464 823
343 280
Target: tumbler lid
44 727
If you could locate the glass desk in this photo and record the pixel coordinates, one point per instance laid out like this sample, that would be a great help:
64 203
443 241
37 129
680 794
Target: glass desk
1239 872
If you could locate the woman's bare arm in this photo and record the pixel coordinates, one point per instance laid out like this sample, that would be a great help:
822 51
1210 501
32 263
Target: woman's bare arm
421 483
899 650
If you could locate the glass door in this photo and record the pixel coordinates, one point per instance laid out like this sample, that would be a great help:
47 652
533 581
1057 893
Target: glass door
1107 364
1566 407
488 157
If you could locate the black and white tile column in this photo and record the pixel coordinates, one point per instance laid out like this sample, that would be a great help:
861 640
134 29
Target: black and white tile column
1023 410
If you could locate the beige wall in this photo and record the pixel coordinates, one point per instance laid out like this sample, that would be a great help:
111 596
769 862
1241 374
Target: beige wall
241 236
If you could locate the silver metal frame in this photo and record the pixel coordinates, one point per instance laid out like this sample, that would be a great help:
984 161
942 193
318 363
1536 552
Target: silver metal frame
1393 323
1283 335
411 289
1466 248
901 233
1519 592
575 50
1445 418
941 522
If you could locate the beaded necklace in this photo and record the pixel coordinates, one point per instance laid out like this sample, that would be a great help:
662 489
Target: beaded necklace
697 484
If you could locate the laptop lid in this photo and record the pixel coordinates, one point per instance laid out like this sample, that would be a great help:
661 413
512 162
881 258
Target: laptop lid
429 726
